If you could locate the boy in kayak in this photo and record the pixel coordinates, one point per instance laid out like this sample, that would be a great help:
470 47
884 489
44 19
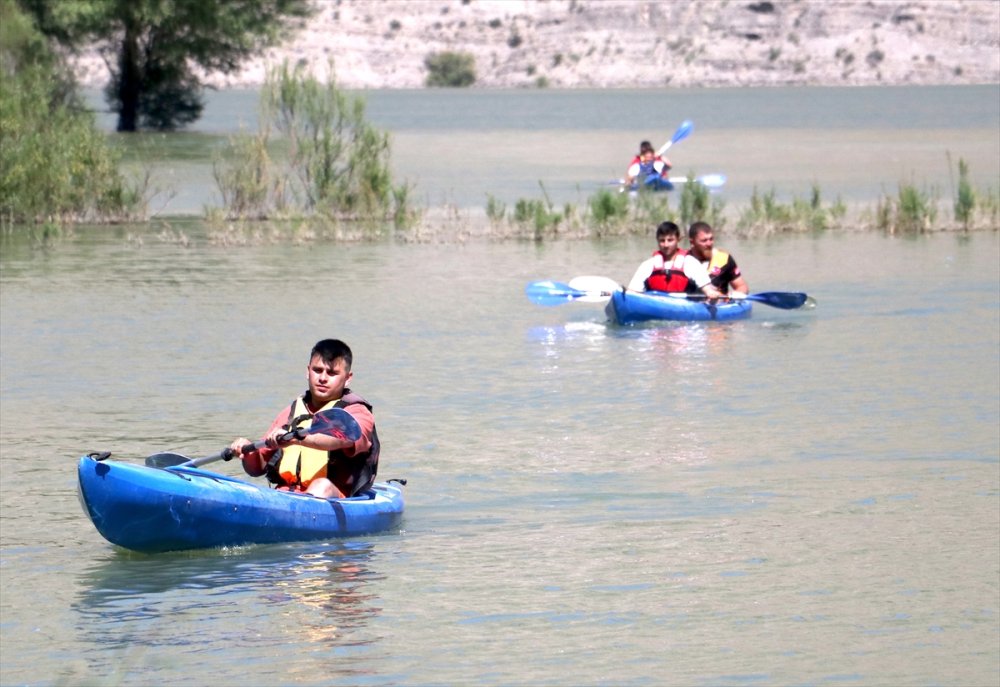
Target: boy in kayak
721 266
319 464
648 170
672 269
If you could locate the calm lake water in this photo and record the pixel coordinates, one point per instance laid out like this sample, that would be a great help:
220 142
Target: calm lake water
803 498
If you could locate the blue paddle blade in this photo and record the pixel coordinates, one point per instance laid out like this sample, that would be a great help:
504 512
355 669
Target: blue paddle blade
712 180
779 299
683 131
552 293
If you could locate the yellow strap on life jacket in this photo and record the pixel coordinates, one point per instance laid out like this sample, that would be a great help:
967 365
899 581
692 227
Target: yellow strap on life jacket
719 259
300 465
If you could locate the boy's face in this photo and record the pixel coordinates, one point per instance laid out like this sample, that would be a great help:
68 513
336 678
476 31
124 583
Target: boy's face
327 380
668 244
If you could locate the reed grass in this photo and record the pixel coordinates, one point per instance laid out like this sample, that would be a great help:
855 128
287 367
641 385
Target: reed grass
767 215
912 210
965 196
610 213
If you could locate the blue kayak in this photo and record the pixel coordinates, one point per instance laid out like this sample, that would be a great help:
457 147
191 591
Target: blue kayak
154 509
628 307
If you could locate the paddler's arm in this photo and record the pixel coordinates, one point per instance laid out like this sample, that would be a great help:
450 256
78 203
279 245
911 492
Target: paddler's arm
322 442
255 462
631 173
638 281
739 284
697 273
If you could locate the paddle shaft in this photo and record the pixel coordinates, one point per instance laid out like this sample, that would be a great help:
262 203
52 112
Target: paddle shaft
335 422
229 454
776 299
682 132
710 181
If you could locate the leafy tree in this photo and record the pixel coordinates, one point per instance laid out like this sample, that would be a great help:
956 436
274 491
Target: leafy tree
154 47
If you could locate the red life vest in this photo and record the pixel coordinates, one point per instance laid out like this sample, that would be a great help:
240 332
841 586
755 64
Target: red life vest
668 275
647 169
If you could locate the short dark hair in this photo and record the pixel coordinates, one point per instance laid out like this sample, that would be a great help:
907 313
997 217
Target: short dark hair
699 228
645 147
667 229
330 349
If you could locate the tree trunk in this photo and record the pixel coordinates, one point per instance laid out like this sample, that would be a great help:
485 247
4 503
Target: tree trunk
129 80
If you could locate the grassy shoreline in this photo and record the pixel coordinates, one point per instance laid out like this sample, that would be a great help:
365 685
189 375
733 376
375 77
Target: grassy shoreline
607 213
909 212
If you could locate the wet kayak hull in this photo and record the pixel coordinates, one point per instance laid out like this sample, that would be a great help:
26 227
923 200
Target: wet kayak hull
153 509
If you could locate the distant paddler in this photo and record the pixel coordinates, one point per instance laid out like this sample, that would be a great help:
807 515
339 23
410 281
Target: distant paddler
648 170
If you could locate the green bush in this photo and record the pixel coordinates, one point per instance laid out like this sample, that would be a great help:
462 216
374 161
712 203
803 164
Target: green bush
450 69
56 165
912 211
496 210
243 173
697 204
965 200
607 207
333 163
766 214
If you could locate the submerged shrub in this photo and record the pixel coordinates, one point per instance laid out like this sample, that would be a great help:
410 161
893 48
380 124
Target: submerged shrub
334 164
536 215
916 209
694 203
911 211
56 165
608 206
495 209
450 69
243 174
965 198
766 214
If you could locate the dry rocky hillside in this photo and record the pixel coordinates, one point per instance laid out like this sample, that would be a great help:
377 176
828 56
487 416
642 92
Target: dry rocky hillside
642 43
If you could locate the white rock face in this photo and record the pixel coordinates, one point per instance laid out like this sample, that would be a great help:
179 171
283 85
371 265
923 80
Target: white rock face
634 43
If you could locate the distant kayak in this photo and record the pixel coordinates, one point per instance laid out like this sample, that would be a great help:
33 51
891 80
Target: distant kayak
153 509
629 307
710 181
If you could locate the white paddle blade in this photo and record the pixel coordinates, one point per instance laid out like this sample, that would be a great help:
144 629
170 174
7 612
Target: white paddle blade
708 180
713 180
600 287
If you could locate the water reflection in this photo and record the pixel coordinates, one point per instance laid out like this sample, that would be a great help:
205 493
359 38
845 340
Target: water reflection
672 343
129 599
678 344
334 584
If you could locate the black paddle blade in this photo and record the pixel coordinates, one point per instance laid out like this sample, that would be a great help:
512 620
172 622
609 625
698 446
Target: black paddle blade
335 422
165 460
780 299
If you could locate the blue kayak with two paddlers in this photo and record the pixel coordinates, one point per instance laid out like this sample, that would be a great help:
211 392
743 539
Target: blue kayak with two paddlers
629 307
624 307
